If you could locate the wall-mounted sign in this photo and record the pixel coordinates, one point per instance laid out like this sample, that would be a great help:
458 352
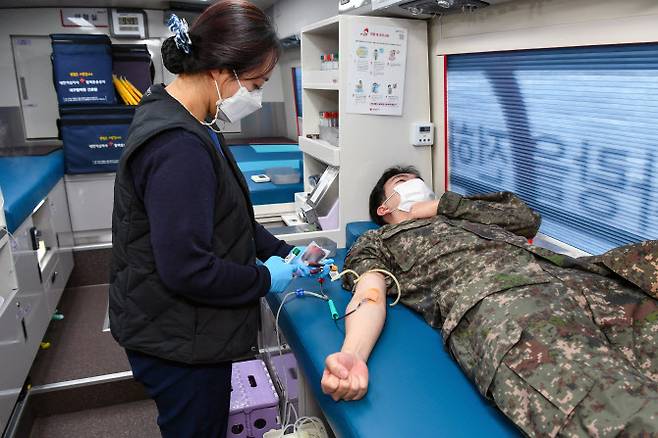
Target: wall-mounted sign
128 23
84 17
376 74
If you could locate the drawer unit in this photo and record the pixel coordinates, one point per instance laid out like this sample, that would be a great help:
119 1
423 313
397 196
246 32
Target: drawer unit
13 350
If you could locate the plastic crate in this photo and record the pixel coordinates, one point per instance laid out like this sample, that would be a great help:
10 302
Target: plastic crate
254 401
285 367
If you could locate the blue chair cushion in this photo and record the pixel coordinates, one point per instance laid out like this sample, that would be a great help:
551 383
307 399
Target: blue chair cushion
354 230
256 159
25 181
416 389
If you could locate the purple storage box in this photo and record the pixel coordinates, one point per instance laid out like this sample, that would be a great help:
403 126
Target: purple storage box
254 401
285 367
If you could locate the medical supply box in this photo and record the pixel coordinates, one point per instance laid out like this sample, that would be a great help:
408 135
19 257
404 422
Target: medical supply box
254 401
82 69
94 137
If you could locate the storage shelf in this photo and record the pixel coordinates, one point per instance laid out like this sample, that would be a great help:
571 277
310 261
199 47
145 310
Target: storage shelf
320 150
320 80
327 26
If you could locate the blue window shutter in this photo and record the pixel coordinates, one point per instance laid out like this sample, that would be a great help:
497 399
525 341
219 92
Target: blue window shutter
572 131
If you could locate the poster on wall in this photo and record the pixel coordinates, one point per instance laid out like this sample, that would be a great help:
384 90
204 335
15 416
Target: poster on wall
376 72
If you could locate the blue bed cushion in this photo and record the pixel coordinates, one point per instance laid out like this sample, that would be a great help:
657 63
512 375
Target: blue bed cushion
25 181
416 389
354 230
256 159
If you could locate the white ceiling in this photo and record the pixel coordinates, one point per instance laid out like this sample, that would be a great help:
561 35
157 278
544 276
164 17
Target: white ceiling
140 4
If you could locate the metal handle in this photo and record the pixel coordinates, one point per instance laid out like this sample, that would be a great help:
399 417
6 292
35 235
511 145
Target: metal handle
23 88
34 236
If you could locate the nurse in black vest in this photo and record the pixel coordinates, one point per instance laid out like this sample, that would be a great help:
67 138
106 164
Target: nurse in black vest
189 261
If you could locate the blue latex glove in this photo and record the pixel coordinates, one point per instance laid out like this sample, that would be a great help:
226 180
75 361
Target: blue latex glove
280 273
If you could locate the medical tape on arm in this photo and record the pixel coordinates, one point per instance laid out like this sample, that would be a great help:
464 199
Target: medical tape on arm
381 271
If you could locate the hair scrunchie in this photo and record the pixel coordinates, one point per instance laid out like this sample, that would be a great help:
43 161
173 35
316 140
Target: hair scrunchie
181 33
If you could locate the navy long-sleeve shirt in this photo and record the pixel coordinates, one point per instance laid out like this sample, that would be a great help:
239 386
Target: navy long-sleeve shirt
175 179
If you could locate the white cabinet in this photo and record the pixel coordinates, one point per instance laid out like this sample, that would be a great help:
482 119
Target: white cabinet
34 74
367 144
91 199
35 265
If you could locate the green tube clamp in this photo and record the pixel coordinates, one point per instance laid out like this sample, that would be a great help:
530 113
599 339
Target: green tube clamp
332 309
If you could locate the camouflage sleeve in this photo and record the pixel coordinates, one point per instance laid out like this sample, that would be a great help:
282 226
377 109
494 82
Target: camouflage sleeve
367 253
504 209
637 263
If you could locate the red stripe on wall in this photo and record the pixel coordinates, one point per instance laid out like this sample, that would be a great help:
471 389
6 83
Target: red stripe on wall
445 120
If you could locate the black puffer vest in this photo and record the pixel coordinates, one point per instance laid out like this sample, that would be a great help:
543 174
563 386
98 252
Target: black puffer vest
145 315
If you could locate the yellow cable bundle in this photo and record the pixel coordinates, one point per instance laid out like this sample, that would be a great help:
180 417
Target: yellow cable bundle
129 88
127 98
133 90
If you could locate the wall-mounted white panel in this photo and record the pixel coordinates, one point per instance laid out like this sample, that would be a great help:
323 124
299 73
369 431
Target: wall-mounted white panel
34 76
91 198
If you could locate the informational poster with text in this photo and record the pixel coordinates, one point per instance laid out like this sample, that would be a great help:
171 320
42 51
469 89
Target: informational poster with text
377 65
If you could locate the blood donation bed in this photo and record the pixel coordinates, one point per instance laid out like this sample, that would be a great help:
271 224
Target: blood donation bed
255 159
416 388
25 182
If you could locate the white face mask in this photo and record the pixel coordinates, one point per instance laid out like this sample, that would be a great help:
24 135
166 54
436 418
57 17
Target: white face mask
410 192
238 106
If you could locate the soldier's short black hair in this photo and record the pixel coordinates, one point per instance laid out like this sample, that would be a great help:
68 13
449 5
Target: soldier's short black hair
377 196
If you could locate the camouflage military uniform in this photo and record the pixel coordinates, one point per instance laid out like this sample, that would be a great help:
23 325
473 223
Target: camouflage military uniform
563 346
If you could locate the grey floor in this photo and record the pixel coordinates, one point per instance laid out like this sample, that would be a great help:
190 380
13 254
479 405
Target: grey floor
79 347
128 420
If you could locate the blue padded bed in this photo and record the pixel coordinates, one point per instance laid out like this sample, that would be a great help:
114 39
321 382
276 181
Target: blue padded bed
255 159
25 181
416 389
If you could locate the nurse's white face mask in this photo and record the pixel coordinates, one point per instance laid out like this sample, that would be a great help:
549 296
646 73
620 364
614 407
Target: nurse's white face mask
238 106
410 192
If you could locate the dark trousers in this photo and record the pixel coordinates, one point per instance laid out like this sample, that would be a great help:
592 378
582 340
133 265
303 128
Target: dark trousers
193 400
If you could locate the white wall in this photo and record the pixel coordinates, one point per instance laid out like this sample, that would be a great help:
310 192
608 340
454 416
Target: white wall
526 24
291 15
273 90
289 59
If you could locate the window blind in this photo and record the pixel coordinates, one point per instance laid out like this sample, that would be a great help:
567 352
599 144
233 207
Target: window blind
573 131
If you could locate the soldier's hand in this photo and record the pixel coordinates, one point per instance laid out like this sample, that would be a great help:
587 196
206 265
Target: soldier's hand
345 376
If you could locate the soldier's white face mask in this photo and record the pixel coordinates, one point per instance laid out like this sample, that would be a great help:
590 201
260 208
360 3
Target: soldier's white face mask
410 192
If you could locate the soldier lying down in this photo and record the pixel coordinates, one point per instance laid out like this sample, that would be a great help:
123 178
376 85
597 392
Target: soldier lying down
562 346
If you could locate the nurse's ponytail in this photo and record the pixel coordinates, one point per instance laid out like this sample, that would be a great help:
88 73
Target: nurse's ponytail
231 35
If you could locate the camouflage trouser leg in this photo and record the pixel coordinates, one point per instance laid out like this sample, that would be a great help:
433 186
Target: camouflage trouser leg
560 376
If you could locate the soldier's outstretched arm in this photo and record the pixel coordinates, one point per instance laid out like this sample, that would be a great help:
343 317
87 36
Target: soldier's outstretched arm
346 373
504 209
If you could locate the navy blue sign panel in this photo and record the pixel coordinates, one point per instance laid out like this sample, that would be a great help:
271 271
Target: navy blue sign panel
82 69
572 131
94 138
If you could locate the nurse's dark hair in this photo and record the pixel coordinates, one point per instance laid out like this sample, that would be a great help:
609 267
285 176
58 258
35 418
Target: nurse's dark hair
231 35
377 196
